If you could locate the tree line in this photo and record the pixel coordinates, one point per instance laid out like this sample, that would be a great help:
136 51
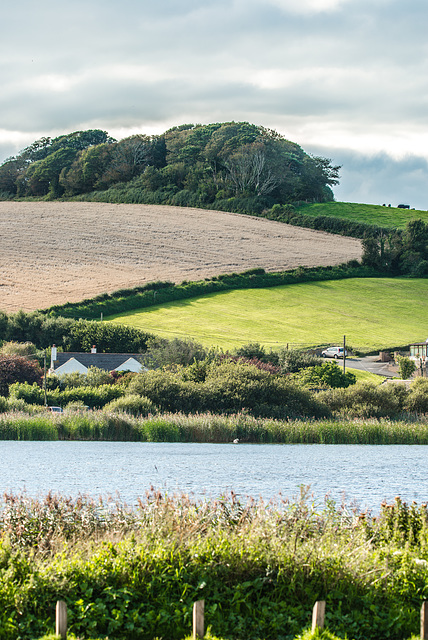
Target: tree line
195 164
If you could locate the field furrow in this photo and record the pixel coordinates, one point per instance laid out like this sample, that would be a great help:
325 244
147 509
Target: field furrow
54 252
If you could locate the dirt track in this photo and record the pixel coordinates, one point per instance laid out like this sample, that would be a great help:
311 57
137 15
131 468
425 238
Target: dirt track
54 252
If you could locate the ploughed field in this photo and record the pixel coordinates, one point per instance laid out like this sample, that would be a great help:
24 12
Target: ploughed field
54 252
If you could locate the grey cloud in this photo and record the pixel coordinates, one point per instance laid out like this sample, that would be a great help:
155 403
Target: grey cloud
360 68
380 178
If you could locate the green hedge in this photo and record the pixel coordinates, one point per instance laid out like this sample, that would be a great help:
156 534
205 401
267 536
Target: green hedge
142 297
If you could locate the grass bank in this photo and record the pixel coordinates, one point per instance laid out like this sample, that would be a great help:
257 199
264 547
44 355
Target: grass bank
134 574
363 213
211 428
373 313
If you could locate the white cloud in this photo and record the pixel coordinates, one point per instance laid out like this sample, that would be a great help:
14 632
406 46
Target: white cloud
329 73
307 6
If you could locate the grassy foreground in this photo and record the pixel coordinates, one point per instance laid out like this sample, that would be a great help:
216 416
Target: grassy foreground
177 427
367 213
134 574
374 313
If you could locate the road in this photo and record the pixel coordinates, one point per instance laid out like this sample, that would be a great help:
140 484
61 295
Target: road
371 364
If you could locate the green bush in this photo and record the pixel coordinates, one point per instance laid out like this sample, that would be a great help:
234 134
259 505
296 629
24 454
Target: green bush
406 366
366 399
30 393
94 397
327 374
292 360
417 400
133 404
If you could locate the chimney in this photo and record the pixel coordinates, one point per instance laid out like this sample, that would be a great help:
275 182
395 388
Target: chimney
53 356
94 349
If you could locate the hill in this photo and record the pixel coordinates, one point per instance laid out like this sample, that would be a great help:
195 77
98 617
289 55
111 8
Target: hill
374 313
372 214
54 252
189 165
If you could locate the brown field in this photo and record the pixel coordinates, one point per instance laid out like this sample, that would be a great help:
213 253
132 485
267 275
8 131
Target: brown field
54 252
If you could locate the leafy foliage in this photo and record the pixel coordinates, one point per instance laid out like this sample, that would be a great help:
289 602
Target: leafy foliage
189 165
15 368
327 374
406 366
135 573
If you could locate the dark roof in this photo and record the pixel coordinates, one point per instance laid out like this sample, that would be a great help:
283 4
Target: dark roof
106 361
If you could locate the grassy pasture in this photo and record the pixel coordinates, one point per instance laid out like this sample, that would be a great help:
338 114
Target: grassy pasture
367 213
373 313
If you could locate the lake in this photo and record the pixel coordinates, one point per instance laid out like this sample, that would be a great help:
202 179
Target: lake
360 474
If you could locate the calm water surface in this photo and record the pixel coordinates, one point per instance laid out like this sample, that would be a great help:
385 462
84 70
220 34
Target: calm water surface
362 474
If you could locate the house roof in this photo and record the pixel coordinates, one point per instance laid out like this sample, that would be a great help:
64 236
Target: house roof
106 361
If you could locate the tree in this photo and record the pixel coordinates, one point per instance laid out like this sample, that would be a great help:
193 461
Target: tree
406 367
18 369
250 173
42 177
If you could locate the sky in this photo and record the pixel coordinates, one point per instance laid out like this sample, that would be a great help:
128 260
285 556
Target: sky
345 79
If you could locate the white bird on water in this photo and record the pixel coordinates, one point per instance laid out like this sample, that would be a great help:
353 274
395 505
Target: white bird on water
236 441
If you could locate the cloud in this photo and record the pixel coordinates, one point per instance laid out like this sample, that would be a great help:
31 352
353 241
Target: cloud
381 179
328 73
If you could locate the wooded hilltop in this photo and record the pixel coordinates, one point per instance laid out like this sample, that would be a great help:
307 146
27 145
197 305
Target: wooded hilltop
188 165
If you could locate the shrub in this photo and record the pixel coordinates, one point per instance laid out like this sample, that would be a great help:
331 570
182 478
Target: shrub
3 404
365 400
94 397
328 374
133 404
406 366
417 400
15 368
251 350
162 352
18 348
292 360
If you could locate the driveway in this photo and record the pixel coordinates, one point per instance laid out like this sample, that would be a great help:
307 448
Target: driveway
373 365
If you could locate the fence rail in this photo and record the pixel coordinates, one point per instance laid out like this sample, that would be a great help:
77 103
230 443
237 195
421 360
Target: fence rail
318 618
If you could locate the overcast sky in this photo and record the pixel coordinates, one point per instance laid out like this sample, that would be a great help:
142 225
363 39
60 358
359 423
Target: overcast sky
347 79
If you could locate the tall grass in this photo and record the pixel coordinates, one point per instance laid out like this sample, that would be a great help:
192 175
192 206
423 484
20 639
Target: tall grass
207 427
134 574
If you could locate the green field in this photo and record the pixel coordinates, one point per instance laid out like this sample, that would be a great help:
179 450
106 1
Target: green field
367 213
373 313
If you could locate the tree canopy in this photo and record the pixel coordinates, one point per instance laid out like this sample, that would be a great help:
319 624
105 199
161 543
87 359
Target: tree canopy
207 162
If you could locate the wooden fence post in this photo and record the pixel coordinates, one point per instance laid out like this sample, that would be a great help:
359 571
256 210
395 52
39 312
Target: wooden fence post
61 619
318 614
424 620
198 619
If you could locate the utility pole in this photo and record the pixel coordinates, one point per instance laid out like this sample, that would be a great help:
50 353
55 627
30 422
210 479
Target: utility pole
44 378
344 351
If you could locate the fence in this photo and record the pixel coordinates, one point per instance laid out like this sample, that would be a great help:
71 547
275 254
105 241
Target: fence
318 617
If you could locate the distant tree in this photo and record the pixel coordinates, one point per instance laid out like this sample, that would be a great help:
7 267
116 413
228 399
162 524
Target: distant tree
42 177
87 171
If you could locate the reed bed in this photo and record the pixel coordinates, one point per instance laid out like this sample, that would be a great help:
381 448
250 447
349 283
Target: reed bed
208 427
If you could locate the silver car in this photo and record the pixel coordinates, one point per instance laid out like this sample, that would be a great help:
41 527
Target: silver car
333 352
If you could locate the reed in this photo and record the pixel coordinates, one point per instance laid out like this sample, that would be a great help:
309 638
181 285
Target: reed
209 427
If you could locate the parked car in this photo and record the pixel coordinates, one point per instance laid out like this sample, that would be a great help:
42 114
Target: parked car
333 352
55 409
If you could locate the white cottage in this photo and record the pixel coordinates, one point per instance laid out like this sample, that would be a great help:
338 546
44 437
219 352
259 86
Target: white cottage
75 362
